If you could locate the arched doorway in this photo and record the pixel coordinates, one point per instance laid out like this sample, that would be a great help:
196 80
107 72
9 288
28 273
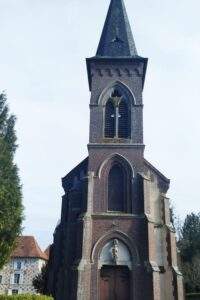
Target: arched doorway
115 271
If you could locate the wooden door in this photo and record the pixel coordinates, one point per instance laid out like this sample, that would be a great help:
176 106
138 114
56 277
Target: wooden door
114 283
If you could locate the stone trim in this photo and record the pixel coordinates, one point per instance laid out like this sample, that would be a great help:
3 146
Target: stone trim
104 146
116 157
129 242
177 271
116 215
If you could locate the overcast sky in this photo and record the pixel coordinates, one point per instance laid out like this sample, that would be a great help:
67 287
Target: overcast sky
43 48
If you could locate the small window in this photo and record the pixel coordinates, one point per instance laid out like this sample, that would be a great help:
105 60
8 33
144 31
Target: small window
14 292
16 278
1 277
19 265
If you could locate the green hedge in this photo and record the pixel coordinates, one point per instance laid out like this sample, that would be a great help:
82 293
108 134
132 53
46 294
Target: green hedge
195 296
25 297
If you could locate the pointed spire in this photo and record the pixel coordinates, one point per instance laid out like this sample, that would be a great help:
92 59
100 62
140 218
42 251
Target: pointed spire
117 39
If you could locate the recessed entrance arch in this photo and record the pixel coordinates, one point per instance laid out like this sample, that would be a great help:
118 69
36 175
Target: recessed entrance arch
115 266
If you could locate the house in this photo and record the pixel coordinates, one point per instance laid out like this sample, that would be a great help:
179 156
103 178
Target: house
25 263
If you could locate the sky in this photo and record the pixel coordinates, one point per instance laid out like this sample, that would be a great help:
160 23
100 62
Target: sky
43 48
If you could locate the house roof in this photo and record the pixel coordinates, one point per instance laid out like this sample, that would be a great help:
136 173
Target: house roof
27 246
117 38
47 251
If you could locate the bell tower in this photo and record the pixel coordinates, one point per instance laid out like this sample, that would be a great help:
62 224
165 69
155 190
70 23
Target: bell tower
115 239
116 79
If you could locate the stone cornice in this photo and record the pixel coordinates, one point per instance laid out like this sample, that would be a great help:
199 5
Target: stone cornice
116 145
97 105
116 216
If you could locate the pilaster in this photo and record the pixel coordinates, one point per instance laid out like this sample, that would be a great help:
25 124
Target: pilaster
84 267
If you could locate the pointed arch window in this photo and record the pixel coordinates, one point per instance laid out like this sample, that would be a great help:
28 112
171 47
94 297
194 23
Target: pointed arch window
117 117
116 189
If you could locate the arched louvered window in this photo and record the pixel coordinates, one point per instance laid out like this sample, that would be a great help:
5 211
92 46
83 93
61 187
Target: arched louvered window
117 116
124 120
110 120
116 189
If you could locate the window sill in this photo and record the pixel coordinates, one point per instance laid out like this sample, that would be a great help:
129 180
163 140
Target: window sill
109 215
117 140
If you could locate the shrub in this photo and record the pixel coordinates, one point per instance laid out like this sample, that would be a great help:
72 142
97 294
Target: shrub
25 297
40 281
194 296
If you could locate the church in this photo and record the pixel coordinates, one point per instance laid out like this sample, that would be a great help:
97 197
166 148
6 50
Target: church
115 240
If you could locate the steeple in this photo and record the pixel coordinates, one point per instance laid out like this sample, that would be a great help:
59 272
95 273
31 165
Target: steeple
117 38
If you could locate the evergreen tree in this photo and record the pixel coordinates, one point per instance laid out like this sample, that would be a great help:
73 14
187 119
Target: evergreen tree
40 280
191 272
11 210
189 245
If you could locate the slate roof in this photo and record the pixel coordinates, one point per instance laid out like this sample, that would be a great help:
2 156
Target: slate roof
78 171
117 38
27 247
